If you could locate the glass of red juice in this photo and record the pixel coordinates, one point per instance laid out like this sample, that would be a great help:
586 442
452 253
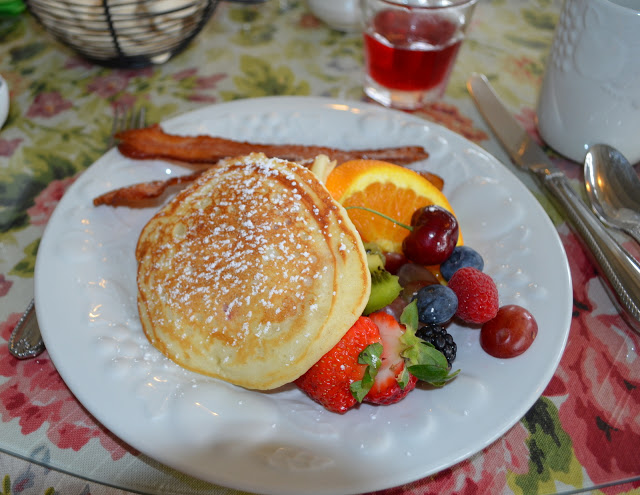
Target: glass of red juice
410 48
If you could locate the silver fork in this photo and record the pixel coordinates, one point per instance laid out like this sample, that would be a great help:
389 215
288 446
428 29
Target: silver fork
26 340
126 120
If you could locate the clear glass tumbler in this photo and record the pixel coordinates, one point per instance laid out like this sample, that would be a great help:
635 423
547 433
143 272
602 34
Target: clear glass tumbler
410 47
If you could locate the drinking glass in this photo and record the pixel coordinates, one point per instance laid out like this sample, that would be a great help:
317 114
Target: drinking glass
410 47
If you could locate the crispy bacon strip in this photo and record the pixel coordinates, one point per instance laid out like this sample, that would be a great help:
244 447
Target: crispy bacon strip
143 191
153 143
137 194
436 180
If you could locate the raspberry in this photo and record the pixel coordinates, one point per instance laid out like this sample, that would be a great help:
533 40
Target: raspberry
477 295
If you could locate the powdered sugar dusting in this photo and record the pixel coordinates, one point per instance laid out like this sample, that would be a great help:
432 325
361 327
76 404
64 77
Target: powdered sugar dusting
245 255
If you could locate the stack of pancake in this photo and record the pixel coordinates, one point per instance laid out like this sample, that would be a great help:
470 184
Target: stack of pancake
251 274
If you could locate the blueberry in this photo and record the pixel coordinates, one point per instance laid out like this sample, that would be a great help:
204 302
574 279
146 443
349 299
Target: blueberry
461 257
436 304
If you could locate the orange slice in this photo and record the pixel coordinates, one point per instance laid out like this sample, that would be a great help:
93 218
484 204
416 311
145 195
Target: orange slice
387 188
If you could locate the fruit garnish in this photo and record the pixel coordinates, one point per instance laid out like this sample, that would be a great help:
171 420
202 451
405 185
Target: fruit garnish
433 237
322 166
477 295
379 361
390 189
442 340
436 304
329 381
393 262
413 277
461 257
509 333
384 286
423 360
372 357
393 381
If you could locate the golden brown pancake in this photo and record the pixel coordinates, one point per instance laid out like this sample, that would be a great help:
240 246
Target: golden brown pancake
251 274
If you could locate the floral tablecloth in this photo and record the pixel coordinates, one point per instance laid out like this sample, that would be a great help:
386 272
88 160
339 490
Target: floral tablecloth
582 434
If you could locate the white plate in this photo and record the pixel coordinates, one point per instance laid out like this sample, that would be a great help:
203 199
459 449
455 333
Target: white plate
282 442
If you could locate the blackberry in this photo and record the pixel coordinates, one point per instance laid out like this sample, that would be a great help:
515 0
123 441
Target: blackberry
441 340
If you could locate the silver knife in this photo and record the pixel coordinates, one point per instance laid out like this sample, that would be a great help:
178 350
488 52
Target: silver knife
620 270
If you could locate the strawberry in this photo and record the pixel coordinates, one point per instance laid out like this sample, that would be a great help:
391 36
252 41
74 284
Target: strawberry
341 378
393 382
405 358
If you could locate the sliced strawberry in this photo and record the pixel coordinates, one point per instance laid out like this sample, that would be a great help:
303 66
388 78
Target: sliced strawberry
331 380
393 381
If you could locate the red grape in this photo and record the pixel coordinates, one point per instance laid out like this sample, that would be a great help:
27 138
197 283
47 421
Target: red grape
396 307
410 272
510 333
394 261
412 278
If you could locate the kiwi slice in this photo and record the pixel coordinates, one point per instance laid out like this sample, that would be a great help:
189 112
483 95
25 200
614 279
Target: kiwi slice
384 286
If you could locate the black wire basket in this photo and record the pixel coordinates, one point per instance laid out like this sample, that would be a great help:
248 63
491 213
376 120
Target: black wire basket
124 33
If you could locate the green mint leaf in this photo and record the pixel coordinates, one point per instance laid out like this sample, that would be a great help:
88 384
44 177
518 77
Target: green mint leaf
412 348
404 377
409 316
422 359
433 375
425 353
372 357
427 363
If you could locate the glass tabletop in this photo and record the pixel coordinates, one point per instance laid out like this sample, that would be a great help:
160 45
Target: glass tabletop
581 434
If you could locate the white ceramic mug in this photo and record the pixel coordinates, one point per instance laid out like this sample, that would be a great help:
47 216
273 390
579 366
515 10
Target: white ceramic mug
591 88
343 15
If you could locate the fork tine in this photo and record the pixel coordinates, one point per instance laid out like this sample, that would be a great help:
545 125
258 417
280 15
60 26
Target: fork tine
123 120
131 120
114 126
140 121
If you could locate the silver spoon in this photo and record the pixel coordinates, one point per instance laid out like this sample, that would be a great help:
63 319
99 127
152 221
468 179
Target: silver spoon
613 188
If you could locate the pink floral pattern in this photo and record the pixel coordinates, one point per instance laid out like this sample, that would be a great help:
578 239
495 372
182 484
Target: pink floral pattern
527 119
109 85
481 474
9 146
600 355
48 104
524 70
36 395
5 285
47 201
